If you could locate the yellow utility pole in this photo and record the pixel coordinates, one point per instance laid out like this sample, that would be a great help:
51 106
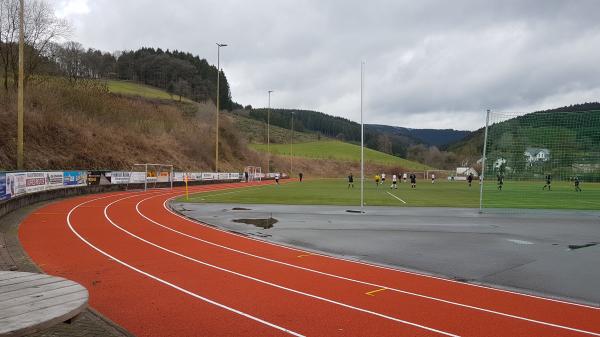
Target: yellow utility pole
20 95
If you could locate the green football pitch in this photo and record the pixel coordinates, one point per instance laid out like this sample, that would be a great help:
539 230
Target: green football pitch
441 194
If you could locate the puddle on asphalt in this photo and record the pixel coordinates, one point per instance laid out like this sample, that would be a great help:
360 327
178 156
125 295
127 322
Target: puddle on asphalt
262 223
591 244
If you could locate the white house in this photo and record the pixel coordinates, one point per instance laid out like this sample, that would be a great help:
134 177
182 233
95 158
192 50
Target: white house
499 162
465 171
534 155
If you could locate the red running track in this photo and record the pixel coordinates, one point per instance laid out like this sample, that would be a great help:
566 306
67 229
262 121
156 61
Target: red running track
157 273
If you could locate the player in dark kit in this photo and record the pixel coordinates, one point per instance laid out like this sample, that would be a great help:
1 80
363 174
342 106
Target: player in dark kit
413 180
470 179
300 176
500 182
577 188
548 182
350 181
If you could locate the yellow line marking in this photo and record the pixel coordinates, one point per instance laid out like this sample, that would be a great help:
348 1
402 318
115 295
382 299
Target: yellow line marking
371 293
303 255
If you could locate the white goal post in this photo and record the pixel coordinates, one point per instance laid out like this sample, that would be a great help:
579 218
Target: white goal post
254 173
151 174
444 174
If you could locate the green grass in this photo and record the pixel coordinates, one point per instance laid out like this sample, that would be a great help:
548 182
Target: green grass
440 194
336 150
136 89
336 192
256 131
529 194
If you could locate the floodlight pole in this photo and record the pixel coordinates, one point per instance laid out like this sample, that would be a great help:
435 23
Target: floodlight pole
292 146
485 138
362 141
219 45
171 177
269 133
20 94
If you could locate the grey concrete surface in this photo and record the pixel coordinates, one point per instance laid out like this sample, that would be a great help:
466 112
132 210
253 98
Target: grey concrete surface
528 252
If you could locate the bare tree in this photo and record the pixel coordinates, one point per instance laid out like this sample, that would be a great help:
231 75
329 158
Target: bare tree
42 27
70 58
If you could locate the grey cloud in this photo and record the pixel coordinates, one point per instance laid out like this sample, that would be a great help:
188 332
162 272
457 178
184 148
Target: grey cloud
429 63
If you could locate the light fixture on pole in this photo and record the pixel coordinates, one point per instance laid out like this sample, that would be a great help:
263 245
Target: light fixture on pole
362 139
292 146
219 45
269 134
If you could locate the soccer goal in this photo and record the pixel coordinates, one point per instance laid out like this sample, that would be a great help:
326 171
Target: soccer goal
438 174
254 173
151 176
541 160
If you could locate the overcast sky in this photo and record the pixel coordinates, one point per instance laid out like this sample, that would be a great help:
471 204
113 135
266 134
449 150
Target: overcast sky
429 64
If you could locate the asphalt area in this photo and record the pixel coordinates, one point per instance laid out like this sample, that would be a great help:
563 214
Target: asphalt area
157 273
554 254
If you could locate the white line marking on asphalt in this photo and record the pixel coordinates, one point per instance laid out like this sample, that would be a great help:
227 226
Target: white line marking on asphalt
168 283
396 197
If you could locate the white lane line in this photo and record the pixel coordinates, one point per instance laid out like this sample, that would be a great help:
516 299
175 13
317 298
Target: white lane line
530 320
267 282
170 284
396 197
370 264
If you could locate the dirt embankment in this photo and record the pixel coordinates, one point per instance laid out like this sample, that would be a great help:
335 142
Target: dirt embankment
82 126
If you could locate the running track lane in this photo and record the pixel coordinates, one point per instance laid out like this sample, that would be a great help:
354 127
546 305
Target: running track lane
277 288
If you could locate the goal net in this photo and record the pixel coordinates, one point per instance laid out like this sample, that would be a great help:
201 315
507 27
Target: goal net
252 173
535 161
150 176
439 174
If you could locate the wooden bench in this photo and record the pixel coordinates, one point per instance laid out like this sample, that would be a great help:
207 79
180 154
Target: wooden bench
33 302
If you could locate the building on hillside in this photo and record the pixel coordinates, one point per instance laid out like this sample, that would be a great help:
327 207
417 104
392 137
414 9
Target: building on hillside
465 171
536 155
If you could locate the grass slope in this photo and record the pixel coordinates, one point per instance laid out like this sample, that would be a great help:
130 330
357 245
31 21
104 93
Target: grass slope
256 131
336 150
136 89
440 194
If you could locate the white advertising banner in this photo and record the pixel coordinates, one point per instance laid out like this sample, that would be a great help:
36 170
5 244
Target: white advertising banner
119 177
35 182
163 177
54 180
195 176
235 176
223 176
178 176
140 178
209 176
16 184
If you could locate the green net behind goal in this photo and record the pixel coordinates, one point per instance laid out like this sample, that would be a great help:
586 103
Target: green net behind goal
543 160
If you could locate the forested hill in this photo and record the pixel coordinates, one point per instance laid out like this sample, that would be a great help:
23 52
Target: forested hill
388 139
179 73
436 137
176 72
472 145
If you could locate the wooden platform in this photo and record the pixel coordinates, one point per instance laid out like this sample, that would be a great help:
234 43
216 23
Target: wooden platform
33 302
